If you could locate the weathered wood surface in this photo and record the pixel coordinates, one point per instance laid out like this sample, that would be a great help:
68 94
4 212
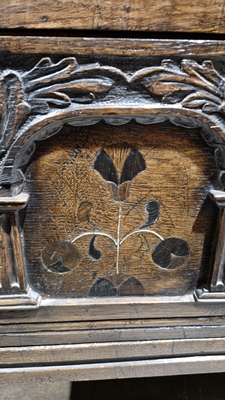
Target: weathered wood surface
107 46
105 352
135 15
35 391
76 200
119 331
128 164
114 370
113 308
72 165
106 331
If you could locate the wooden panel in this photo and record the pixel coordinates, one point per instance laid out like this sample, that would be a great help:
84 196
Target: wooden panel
164 15
77 213
174 169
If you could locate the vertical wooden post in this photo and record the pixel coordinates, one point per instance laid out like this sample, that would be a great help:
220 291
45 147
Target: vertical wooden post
14 290
218 274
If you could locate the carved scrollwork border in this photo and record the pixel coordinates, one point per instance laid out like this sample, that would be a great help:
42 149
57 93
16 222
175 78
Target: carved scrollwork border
37 103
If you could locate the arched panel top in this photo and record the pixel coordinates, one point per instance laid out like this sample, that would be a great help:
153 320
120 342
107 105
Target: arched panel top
37 103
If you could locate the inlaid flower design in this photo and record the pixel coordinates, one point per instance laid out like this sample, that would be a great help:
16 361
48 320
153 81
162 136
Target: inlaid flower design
119 187
167 254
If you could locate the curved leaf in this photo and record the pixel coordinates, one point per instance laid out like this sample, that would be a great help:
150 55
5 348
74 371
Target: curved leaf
14 107
203 76
153 210
211 74
206 71
56 98
38 69
199 99
170 253
102 287
142 249
162 88
58 267
60 256
63 93
97 85
47 72
131 287
97 69
92 251
209 108
105 167
134 164
166 67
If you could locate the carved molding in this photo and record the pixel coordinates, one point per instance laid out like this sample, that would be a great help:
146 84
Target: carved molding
36 103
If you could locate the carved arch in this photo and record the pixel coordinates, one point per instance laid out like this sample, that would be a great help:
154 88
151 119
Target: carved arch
24 145
37 102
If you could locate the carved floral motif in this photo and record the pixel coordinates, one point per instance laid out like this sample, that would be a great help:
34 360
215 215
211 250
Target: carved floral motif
191 84
168 253
190 94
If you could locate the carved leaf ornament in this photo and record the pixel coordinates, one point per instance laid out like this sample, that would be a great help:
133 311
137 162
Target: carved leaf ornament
55 87
49 85
58 85
193 85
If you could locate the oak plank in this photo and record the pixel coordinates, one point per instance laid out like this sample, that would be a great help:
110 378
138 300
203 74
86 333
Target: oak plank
114 309
136 15
95 352
76 183
40 338
109 46
115 370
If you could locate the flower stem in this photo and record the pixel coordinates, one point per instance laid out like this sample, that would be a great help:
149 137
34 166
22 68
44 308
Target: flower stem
118 239
96 234
141 231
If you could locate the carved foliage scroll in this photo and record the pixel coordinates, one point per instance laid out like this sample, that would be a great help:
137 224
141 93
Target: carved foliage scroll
49 87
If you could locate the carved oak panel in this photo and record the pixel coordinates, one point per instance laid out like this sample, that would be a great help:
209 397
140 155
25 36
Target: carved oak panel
119 211
112 203
120 208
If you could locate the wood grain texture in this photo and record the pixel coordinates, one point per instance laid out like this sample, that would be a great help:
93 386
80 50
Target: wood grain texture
114 370
105 352
27 391
135 15
69 186
107 46
116 308
118 164
40 336
73 183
